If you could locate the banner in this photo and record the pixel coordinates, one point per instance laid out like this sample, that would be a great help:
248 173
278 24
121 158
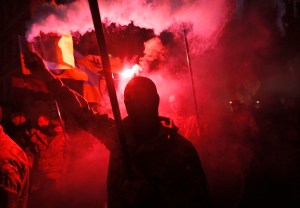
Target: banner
93 63
94 89
58 54
91 87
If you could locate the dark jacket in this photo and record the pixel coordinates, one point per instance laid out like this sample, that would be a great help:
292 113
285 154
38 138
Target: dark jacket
167 170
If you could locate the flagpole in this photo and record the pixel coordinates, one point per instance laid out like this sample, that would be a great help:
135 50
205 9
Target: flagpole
61 120
24 46
109 81
187 51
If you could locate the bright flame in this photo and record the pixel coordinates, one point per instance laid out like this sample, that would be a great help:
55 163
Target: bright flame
128 73
125 76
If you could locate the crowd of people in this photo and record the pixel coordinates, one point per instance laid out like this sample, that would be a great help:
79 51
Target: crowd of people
249 154
144 174
43 143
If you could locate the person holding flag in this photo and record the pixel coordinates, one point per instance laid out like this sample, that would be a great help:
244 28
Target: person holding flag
165 170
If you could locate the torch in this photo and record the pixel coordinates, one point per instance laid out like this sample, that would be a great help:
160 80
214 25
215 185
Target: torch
109 81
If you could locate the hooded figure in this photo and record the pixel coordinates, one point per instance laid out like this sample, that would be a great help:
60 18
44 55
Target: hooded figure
166 168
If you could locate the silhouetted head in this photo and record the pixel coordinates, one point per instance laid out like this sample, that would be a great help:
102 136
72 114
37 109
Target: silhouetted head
141 101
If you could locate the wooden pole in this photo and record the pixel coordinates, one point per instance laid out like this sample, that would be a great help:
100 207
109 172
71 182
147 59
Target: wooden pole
109 81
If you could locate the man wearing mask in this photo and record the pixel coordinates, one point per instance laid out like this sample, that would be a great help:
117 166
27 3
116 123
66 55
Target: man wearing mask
166 170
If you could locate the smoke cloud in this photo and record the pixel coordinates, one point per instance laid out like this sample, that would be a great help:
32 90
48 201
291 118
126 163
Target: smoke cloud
206 17
233 56
203 20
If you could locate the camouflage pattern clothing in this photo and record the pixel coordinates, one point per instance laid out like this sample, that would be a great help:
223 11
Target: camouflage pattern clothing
14 173
51 154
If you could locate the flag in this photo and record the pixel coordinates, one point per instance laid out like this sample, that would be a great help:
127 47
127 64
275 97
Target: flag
94 89
57 51
91 87
58 54
93 63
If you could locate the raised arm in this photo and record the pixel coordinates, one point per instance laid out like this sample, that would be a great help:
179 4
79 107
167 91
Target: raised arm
69 101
